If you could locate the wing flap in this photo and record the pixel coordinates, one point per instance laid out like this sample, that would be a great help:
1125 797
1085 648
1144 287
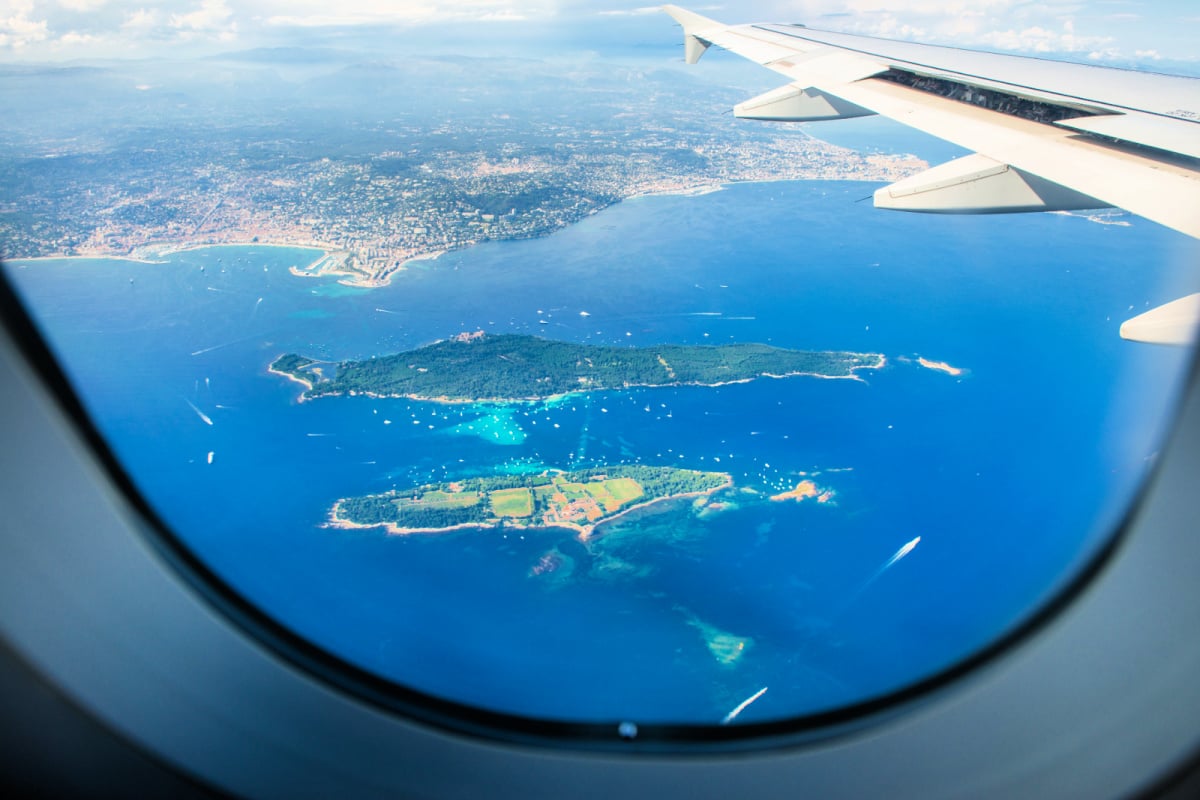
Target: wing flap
827 67
1164 192
1083 86
1016 125
1163 133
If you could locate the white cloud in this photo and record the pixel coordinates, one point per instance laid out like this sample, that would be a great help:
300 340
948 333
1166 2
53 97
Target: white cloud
1044 40
141 21
83 5
632 12
1028 26
211 14
75 39
17 28
130 27
319 13
212 19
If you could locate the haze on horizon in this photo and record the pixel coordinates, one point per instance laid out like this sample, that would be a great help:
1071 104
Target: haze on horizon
1157 35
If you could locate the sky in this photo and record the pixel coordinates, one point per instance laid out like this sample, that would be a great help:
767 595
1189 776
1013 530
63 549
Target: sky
1145 31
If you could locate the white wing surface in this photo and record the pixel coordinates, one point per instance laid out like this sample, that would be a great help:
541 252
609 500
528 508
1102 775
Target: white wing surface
1045 135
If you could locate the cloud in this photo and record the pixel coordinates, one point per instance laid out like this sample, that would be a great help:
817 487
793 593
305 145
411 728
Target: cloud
212 18
140 27
132 28
1019 26
1037 39
75 39
632 12
83 5
141 21
320 13
17 28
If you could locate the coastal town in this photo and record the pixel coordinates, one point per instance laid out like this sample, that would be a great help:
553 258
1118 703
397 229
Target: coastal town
401 190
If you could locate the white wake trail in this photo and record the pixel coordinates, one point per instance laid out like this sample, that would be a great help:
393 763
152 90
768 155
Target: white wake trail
732 715
901 553
207 419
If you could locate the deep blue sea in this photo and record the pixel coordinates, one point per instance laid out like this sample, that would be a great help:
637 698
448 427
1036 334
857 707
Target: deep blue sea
1011 474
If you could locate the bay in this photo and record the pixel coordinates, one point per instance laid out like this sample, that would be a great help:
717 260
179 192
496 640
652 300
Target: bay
1012 474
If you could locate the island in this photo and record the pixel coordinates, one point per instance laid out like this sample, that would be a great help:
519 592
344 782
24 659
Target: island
727 648
578 500
939 366
478 367
804 490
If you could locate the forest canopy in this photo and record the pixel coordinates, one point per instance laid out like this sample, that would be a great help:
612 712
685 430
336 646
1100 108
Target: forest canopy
474 367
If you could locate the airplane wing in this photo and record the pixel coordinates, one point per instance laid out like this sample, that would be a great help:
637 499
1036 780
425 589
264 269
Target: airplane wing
1044 135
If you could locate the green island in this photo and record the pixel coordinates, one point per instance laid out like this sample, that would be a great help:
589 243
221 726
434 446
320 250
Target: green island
579 500
474 367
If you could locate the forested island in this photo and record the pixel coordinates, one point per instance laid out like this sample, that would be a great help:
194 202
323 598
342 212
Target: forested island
579 500
512 367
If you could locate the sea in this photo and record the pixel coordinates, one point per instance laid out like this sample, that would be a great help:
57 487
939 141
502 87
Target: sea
1013 473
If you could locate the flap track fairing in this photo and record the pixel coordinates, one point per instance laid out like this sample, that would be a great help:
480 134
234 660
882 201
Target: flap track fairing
796 103
976 184
1176 322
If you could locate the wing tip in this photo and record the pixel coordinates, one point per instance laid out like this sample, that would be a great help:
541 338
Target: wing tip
694 25
690 20
694 29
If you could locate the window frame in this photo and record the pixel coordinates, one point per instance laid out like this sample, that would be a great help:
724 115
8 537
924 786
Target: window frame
87 587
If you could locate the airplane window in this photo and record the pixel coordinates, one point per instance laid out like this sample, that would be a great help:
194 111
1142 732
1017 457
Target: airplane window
536 385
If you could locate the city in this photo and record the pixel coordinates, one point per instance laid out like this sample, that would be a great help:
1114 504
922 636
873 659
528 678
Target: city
405 184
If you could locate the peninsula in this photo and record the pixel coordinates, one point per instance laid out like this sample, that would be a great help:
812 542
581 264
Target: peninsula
578 500
476 367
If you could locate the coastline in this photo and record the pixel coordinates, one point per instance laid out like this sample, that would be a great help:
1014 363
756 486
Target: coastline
293 378
689 191
364 280
184 247
432 255
153 252
584 533
444 400
392 529
359 279
99 257
700 190
157 253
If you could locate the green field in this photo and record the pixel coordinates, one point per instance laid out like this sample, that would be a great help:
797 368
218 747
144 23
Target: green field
624 489
438 499
512 503
610 495
603 497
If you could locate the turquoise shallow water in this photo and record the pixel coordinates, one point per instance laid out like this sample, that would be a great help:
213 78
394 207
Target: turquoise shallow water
1011 473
